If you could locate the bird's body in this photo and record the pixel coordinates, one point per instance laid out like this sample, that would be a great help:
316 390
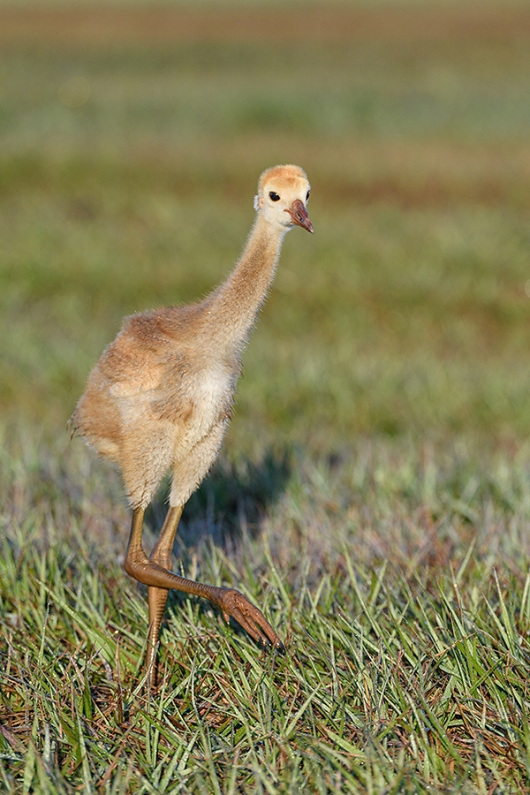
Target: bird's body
159 399
154 401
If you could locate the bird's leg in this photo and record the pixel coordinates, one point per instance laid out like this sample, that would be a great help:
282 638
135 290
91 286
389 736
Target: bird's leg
157 597
134 557
161 555
152 573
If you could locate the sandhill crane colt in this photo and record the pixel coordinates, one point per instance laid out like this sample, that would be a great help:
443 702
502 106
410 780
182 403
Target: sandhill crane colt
159 400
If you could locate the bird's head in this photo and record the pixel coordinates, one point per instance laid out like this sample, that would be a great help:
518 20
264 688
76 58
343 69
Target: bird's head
283 193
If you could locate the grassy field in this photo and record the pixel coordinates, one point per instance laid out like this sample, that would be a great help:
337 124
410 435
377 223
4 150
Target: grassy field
373 495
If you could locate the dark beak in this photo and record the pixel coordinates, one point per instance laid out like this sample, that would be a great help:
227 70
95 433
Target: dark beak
299 216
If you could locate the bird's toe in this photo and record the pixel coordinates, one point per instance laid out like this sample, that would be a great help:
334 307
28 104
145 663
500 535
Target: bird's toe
233 603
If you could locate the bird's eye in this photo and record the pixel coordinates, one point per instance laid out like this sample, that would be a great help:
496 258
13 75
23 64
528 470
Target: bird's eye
274 196
308 195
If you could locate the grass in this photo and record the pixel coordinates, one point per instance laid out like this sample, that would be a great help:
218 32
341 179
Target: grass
373 492
395 578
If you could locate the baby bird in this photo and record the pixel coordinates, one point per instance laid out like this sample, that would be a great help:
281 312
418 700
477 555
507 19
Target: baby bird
159 400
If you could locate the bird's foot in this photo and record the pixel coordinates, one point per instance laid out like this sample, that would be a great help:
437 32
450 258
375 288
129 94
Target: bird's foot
234 604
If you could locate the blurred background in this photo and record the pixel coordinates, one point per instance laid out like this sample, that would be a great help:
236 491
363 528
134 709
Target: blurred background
132 135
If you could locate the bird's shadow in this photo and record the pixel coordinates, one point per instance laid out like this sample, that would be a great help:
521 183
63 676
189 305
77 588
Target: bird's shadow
232 501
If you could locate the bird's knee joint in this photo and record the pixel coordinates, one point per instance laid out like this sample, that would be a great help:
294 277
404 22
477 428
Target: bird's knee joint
134 567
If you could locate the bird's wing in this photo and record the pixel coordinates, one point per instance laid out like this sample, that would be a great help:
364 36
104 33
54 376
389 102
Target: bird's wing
136 362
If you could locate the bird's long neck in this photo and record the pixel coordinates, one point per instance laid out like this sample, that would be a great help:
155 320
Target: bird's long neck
232 308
